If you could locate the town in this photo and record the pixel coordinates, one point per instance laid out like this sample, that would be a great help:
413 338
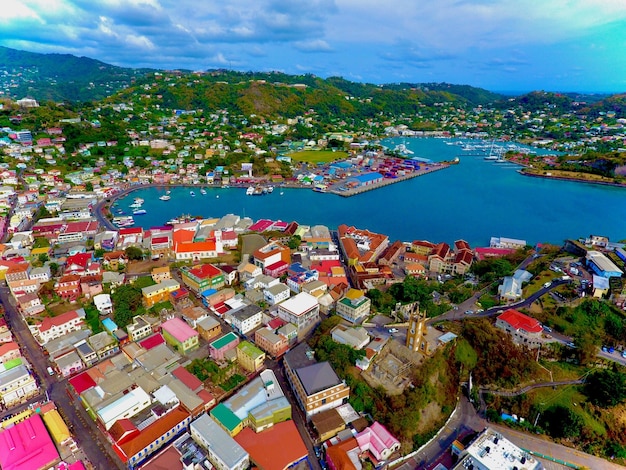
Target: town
227 342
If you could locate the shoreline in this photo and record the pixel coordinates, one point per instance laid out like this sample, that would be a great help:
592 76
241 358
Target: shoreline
573 180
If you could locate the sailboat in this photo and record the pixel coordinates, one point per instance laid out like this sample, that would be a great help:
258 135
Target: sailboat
491 156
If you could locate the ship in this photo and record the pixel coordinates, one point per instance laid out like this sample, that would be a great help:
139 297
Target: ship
250 191
202 191
165 197
139 212
192 194
125 221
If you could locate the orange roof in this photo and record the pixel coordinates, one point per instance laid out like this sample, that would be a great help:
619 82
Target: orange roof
182 236
195 247
152 433
338 454
283 437
18 268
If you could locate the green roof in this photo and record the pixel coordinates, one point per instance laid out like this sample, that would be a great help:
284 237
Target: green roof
12 363
249 349
223 415
224 340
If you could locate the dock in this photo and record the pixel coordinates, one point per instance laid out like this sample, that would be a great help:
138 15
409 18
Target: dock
386 182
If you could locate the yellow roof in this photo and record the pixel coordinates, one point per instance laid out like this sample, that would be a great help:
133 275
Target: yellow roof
56 426
40 251
353 294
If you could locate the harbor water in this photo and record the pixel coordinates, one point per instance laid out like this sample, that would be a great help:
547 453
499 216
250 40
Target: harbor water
474 200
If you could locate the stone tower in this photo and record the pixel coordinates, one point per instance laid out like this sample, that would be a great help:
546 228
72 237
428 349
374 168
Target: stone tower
415 335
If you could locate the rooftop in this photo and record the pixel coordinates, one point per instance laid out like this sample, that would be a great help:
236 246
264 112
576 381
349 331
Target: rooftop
519 321
179 329
224 340
219 442
27 445
317 377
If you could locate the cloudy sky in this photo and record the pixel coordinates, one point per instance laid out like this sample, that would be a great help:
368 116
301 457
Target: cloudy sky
501 45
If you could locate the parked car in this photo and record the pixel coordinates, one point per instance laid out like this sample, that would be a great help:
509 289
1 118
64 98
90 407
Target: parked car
393 330
547 329
469 312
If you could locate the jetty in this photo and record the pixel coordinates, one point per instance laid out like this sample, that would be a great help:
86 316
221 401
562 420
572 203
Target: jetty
341 190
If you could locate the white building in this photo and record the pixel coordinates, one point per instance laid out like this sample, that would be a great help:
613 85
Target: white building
127 406
16 385
103 303
503 242
245 319
302 310
277 293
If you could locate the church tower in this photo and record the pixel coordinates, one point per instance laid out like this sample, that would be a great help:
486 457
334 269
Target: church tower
415 335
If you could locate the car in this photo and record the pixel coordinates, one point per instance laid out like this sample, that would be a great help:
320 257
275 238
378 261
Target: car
50 371
547 284
605 349
393 330
571 344
547 329
624 353
611 350
469 312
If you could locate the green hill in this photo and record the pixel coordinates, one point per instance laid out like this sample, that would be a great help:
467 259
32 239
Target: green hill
60 77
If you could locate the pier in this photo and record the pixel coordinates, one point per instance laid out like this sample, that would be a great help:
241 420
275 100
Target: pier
387 181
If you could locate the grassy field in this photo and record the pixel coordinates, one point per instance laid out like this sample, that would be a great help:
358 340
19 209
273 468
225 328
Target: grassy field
317 156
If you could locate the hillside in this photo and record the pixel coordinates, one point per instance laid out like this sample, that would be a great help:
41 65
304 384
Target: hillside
60 77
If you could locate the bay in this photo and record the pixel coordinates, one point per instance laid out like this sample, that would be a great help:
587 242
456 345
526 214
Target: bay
474 200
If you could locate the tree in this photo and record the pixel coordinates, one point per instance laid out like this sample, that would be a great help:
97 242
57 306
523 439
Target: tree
606 388
560 421
294 242
134 253
43 257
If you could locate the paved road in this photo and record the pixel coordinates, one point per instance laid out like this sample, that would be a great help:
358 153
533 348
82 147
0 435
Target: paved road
83 428
507 393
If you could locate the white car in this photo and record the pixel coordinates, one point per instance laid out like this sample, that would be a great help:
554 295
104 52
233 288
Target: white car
393 330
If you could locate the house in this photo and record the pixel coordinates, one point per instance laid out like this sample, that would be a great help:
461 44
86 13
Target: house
141 327
68 287
270 254
103 303
9 351
161 274
29 304
17 385
42 274
160 292
230 274
298 275
356 337
523 329
223 451
202 277
179 335
56 327
315 384
248 271
160 245
354 306
511 288
115 260
103 344
245 319
271 342
301 310
276 293
219 347
91 285
378 441
250 357
18 272
68 363
209 328
601 265
455 262
78 263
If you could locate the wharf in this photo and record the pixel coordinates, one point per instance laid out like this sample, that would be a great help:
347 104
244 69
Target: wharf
387 181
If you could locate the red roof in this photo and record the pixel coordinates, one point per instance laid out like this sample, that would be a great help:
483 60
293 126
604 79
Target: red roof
152 341
62 319
76 227
275 448
261 226
131 231
519 321
156 240
204 271
186 377
276 323
82 382
79 259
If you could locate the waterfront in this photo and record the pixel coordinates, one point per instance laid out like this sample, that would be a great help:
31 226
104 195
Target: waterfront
474 200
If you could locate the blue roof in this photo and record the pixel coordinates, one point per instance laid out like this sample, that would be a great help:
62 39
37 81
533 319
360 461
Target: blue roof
109 324
365 177
341 165
208 292
297 268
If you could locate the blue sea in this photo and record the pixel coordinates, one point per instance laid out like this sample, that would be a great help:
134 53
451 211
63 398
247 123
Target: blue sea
474 200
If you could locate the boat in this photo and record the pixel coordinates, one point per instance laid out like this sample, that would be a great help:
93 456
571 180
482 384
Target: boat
168 192
270 189
125 221
138 200
500 160
250 191
258 191
202 191
491 157
135 205
217 196
165 197
173 221
320 188
139 212
192 194
281 193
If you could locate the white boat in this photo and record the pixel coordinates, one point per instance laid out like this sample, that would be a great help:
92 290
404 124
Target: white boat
491 157
172 222
165 197
139 212
250 191
281 193
500 160
192 194
270 189
125 221
135 205
139 200
202 191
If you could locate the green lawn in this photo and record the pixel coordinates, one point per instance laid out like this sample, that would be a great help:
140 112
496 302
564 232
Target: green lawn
318 156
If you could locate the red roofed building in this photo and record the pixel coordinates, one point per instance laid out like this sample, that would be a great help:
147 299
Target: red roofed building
160 245
523 329
361 246
56 327
191 381
77 264
482 253
137 448
82 382
271 254
202 277
443 260
68 287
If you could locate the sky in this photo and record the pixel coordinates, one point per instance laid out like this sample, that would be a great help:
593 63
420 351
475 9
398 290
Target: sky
500 45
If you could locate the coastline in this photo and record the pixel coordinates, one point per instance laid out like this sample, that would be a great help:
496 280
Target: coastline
574 180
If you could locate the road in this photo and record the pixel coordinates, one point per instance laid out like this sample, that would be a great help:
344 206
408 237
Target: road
84 430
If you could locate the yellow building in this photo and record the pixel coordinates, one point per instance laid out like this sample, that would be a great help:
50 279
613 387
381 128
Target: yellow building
160 292
161 274
249 356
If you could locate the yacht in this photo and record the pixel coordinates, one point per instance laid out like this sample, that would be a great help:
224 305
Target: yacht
138 200
135 205
165 197
203 191
192 194
139 212
270 189
250 191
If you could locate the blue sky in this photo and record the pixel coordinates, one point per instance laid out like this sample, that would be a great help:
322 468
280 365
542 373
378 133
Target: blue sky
501 45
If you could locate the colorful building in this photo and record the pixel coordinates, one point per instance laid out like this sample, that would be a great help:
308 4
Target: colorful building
180 335
219 347
160 292
354 306
202 277
250 357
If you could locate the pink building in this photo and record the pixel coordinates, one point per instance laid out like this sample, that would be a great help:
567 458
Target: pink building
219 347
27 445
378 441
